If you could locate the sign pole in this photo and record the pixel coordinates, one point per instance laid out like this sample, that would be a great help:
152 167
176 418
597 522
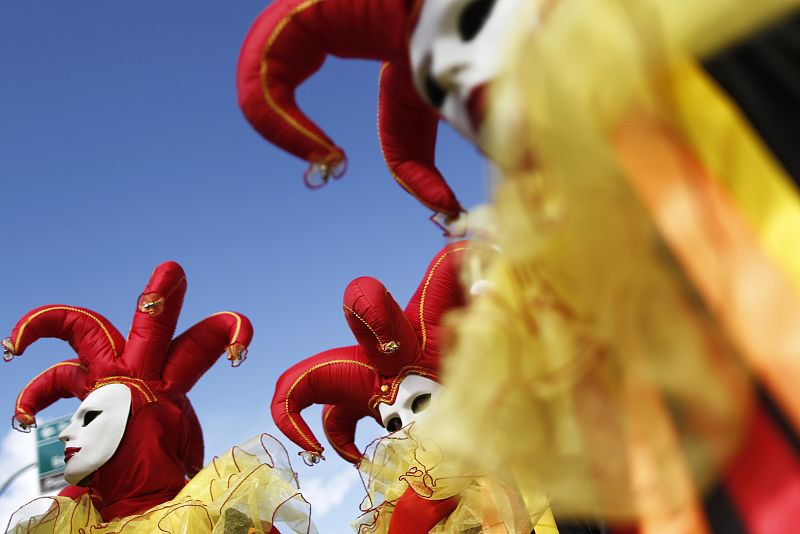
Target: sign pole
13 477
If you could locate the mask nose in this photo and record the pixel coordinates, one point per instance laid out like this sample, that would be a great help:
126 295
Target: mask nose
67 434
440 79
446 70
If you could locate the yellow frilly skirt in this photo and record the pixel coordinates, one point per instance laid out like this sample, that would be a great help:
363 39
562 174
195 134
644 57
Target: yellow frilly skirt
245 491
492 503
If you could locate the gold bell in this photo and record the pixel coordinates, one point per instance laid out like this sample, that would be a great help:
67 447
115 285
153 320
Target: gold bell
389 347
152 304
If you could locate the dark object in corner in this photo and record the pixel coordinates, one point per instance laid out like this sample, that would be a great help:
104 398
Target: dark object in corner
762 74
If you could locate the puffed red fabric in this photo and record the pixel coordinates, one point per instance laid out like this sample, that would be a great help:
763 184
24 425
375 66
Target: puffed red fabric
339 424
163 441
376 321
146 469
340 376
64 380
94 339
407 130
289 41
73 492
414 515
193 352
151 334
192 445
392 343
103 353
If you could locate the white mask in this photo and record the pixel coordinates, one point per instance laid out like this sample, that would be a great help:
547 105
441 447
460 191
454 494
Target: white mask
414 395
457 48
95 431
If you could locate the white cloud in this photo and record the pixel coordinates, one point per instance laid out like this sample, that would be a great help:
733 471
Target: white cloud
325 494
16 451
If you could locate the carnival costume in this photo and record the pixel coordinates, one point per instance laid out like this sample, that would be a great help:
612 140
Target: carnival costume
648 270
139 482
290 40
409 489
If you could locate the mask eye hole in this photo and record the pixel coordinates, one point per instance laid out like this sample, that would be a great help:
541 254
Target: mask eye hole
394 424
421 402
435 93
473 17
90 416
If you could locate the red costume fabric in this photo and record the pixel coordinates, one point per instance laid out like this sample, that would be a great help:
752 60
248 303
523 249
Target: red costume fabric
392 343
289 42
352 381
414 515
762 482
162 444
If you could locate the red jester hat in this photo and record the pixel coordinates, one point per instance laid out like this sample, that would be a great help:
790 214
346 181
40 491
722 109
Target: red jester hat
393 344
289 42
161 440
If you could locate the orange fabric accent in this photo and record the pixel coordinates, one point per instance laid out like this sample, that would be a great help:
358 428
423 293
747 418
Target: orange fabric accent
648 463
314 447
265 75
68 308
719 252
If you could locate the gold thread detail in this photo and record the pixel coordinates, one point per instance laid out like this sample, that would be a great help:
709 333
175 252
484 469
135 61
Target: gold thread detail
265 74
397 179
348 308
37 377
171 291
140 385
404 372
425 291
175 288
67 308
314 447
238 324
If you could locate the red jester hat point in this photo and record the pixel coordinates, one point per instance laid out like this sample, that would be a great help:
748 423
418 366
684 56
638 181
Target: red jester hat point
163 441
289 42
352 381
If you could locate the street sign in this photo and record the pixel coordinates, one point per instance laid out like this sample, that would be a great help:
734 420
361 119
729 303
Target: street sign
50 454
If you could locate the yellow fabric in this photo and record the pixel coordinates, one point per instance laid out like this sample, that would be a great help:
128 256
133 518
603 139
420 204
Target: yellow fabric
490 504
742 214
240 492
729 148
722 228
593 370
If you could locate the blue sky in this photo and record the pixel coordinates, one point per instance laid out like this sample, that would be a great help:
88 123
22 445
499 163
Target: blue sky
122 146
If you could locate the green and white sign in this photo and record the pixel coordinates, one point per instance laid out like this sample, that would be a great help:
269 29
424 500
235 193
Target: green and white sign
50 454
